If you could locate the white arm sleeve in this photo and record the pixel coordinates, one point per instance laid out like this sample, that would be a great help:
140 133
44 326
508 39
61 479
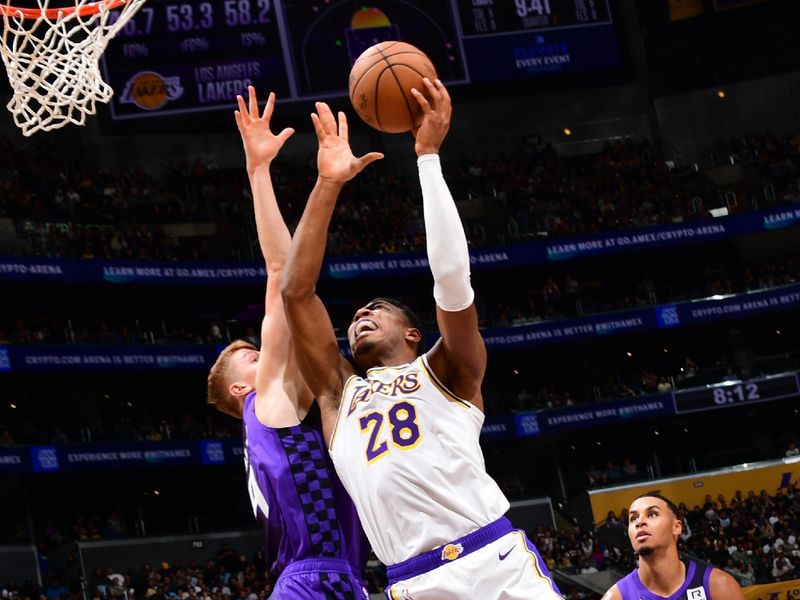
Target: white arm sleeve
448 255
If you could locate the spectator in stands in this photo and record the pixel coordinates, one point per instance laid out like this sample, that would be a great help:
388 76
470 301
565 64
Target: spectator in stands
782 567
551 295
571 296
630 470
6 439
791 449
612 520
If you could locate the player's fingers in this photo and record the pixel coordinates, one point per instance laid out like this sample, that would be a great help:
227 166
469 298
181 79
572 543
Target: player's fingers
422 100
317 126
285 134
370 158
343 128
267 115
253 102
433 93
238 116
243 110
442 90
326 118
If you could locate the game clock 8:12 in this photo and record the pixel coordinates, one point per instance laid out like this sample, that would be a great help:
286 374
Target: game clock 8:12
736 393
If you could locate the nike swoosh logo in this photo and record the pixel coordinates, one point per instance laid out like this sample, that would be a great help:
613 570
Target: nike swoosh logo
503 556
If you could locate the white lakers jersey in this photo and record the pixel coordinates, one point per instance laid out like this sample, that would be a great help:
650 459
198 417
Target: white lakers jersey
407 452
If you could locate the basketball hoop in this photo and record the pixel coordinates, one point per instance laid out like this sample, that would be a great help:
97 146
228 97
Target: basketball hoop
52 59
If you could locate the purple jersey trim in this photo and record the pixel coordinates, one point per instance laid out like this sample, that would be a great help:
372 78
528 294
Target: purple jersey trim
541 565
436 558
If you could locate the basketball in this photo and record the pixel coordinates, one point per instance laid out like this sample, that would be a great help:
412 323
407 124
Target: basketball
380 85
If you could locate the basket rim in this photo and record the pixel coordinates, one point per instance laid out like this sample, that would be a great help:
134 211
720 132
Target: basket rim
90 8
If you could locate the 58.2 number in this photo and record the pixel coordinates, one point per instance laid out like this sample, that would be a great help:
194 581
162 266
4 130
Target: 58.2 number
239 12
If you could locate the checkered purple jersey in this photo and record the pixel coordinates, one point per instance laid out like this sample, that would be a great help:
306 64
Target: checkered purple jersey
297 496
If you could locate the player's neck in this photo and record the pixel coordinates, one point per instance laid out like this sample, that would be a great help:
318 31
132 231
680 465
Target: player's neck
392 358
662 573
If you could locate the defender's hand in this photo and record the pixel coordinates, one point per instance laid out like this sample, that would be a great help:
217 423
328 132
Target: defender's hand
435 117
260 144
335 159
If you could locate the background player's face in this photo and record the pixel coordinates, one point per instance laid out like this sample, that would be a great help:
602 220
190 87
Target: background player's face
373 328
651 525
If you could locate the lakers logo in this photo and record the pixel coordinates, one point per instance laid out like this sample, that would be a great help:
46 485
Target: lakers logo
452 551
150 91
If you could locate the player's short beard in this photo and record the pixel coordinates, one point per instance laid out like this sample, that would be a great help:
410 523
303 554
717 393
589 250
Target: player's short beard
646 551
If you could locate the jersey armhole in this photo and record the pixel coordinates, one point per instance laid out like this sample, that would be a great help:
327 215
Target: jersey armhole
339 412
451 397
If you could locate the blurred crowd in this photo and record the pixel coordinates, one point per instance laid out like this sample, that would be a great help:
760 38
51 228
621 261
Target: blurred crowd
127 213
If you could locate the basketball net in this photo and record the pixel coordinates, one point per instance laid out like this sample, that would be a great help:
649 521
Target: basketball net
52 59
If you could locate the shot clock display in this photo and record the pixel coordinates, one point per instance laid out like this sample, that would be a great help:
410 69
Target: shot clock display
190 55
736 392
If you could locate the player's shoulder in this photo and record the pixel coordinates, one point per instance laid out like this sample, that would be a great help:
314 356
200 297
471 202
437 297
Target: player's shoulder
613 594
723 586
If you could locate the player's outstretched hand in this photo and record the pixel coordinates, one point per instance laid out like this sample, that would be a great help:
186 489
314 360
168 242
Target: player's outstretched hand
435 117
260 144
335 159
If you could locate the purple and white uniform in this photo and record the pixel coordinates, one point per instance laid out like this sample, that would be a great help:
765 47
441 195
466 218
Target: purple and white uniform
695 586
314 538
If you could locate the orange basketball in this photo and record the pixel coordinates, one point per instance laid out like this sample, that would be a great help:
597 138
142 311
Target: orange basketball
380 85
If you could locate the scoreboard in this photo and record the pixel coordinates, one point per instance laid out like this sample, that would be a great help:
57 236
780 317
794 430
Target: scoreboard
178 56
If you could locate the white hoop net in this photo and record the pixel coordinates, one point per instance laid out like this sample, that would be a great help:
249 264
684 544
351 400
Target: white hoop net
52 59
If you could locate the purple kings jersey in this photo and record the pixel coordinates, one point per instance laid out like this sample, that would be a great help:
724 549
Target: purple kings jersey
695 586
297 496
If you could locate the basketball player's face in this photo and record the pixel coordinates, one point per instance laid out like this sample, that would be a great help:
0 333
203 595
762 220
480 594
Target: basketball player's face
651 526
373 325
244 365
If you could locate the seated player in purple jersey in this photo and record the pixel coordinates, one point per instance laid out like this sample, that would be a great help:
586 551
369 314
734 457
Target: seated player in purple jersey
314 539
654 527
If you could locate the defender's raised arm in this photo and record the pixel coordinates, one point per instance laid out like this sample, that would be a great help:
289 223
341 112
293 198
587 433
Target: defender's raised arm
317 349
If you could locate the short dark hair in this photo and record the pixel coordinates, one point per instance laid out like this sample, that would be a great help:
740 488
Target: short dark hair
409 315
670 504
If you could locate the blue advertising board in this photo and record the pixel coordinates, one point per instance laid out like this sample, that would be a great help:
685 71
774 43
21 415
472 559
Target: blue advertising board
209 452
68 357
385 265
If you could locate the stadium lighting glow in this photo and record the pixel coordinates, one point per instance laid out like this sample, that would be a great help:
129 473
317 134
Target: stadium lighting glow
567 131
721 93
12 405
629 354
